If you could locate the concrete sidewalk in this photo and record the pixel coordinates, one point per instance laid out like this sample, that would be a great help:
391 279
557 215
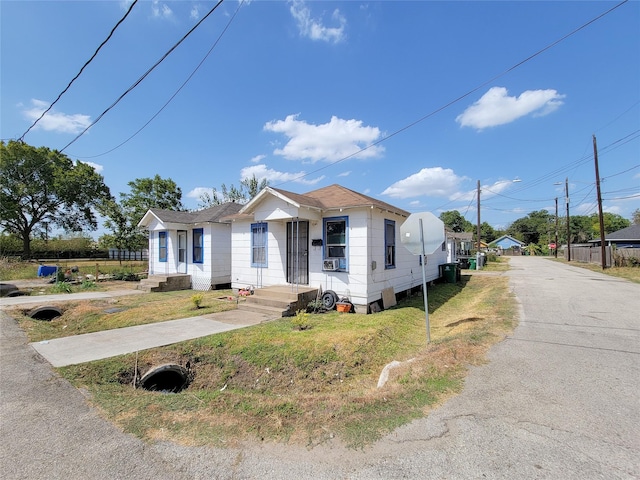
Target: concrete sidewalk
88 347
110 343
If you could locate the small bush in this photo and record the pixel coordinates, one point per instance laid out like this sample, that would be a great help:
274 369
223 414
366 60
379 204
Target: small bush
315 306
196 299
61 287
301 321
88 285
126 276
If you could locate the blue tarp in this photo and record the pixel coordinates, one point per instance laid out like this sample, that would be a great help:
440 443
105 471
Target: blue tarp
46 270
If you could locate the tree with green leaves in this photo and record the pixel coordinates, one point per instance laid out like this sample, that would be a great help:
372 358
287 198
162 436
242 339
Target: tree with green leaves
487 233
612 223
249 188
635 216
123 218
456 222
534 228
581 228
146 193
42 188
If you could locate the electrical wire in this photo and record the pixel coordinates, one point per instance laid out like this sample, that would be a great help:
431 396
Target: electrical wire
459 98
137 82
176 92
81 70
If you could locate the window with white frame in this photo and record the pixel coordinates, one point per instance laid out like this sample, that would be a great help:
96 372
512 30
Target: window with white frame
389 244
259 244
336 240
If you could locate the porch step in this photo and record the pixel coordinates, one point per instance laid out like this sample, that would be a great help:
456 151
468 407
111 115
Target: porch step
274 312
282 301
165 283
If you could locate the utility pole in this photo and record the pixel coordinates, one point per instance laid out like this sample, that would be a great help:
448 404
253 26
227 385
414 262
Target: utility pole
603 248
478 231
566 192
555 252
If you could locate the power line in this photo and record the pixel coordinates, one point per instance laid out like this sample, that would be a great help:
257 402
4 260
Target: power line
240 4
461 97
137 82
81 70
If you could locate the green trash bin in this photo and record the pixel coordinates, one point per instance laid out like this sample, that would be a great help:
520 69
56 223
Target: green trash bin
472 264
450 272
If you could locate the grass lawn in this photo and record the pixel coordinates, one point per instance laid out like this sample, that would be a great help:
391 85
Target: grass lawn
127 311
29 270
275 382
628 273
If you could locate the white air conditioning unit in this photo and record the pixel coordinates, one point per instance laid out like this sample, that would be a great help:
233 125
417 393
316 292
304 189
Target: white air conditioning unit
331 264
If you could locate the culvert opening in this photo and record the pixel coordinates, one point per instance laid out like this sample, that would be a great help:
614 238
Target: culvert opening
46 313
169 378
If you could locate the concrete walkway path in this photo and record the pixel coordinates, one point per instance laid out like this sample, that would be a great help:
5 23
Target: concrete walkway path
88 347
110 343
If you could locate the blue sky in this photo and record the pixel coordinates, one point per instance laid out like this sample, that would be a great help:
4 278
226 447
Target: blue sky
409 102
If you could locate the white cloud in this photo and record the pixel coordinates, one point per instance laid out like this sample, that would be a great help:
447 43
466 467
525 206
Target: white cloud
198 192
272 176
195 12
313 28
345 174
330 142
496 107
161 10
97 167
432 182
56 121
258 158
612 209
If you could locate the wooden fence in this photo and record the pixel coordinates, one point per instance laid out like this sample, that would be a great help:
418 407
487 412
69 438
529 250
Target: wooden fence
620 257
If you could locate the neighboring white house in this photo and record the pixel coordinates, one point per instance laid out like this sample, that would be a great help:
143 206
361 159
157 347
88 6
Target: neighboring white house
193 243
333 237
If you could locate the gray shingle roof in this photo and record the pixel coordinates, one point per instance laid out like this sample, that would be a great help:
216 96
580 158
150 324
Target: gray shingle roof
629 233
213 214
336 196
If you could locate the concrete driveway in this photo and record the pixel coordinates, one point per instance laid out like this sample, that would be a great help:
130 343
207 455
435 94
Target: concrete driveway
558 398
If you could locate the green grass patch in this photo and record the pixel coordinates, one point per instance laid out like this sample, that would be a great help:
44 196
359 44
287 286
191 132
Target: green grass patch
628 273
127 311
273 382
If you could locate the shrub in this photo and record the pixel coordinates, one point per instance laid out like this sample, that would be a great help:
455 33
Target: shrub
61 287
301 321
315 306
196 299
126 276
88 285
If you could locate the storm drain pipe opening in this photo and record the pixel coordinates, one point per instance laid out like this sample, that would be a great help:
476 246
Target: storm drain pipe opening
169 378
47 313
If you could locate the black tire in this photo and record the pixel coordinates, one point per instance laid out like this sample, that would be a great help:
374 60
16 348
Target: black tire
329 299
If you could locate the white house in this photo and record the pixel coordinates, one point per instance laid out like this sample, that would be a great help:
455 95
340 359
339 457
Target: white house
333 237
193 244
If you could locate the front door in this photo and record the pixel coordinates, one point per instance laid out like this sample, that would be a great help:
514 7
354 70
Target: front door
182 251
298 252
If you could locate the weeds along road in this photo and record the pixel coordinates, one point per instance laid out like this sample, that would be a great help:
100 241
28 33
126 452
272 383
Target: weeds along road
557 399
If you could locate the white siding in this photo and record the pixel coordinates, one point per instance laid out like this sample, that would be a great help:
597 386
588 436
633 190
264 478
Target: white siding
366 277
216 266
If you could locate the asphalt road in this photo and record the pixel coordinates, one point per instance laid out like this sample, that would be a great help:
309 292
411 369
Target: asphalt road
558 399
